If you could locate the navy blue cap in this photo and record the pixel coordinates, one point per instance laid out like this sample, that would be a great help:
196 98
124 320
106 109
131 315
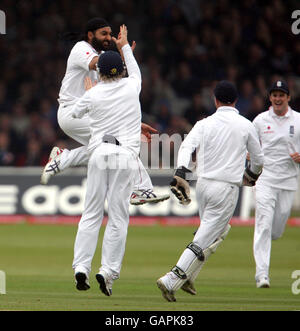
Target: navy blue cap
279 85
110 64
226 92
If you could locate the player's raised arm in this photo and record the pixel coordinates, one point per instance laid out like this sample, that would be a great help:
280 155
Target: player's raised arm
122 37
133 46
124 47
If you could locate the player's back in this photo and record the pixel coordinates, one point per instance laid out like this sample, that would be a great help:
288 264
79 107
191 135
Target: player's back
116 111
222 152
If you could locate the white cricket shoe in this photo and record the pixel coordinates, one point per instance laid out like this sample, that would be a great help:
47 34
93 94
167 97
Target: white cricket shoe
167 294
263 282
52 167
139 197
105 283
82 281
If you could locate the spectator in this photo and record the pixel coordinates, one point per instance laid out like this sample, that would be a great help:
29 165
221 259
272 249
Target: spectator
280 60
197 110
33 155
6 157
257 105
246 94
20 120
185 83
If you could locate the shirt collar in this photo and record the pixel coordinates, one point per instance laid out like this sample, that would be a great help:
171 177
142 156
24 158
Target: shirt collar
227 108
92 47
287 115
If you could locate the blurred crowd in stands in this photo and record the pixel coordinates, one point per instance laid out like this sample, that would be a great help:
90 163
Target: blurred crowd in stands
183 48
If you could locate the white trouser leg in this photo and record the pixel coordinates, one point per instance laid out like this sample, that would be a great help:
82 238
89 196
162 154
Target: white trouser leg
273 207
217 202
74 158
283 209
265 197
120 182
142 179
90 222
77 129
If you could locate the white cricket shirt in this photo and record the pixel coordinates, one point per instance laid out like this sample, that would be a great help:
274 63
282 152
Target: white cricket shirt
114 108
222 141
72 86
279 137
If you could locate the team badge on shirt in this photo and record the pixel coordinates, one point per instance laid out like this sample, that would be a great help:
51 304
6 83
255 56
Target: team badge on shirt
268 129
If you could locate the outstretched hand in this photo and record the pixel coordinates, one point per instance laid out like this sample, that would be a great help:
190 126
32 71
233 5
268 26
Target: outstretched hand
146 131
122 40
295 157
122 37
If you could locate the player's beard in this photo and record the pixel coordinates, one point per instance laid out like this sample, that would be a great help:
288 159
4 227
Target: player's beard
99 46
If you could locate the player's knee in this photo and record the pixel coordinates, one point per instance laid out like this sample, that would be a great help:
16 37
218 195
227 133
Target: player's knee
277 233
66 126
276 236
263 224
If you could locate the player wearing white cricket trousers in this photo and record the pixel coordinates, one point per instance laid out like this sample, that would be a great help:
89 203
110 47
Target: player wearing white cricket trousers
81 64
279 133
221 142
115 119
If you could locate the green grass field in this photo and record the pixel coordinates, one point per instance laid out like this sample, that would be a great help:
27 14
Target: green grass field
37 260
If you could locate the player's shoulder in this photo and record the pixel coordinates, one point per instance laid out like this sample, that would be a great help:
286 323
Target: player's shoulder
204 121
241 118
243 123
262 116
98 92
296 113
82 46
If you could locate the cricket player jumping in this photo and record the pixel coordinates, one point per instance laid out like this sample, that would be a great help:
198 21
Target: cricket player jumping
81 64
221 142
114 111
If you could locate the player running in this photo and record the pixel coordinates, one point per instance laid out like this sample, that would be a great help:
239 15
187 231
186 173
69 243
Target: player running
221 141
279 133
81 64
